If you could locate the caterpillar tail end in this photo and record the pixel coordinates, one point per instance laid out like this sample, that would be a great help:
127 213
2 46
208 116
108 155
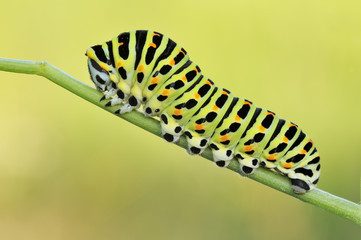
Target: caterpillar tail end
299 186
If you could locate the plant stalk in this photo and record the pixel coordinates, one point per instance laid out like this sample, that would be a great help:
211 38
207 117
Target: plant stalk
317 197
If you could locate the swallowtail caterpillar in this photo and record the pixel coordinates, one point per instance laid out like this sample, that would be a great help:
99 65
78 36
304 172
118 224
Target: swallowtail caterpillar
148 69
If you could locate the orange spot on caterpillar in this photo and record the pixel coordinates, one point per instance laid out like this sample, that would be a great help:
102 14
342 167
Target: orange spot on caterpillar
262 129
199 126
156 34
269 113
209 83
197 96
140 68
237 118
177 112
172 62
184 79
303 151
182 52
285 139
165 92
119 63
103 66
154 80
248 148
121 43
223 138
225 93
152 45
215 108
248 103
271 157
287 165
195 69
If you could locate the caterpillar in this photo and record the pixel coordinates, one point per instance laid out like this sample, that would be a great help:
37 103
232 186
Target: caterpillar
148 71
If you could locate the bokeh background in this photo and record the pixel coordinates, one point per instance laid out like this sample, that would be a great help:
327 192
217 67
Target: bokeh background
69 170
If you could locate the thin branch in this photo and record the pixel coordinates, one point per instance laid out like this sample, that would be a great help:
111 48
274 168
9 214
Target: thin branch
317 197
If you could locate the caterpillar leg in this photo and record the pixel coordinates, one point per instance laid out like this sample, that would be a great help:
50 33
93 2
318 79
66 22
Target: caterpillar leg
124 109
130 105
221 161
196 144
111 87
111 93
109 90
222 156
247 164
114 95
299 186
245 170
114 101
171 130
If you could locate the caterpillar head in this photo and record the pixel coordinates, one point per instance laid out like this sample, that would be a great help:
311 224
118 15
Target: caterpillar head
100 67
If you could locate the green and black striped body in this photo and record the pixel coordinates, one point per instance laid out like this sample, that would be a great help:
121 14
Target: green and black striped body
147 70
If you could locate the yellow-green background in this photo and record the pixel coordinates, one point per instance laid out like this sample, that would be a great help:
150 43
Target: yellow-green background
69 170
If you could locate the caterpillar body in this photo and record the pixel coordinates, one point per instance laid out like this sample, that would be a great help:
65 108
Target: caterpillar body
146 70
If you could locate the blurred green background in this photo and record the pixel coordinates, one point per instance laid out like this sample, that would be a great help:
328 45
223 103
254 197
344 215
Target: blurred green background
69 170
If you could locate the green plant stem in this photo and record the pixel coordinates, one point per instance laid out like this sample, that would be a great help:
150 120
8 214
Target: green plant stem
320 198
